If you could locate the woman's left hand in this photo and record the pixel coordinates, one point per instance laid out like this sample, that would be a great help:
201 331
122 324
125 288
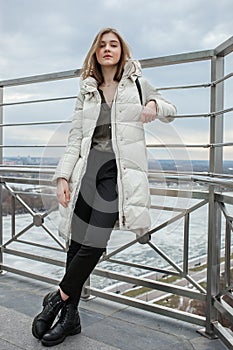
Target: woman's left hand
149 112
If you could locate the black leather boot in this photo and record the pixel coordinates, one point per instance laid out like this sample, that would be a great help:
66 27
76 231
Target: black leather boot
52 304
68 324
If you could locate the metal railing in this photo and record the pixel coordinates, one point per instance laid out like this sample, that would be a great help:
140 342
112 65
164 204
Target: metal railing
216 292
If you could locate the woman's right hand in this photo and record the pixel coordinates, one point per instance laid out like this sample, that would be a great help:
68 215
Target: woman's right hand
63 192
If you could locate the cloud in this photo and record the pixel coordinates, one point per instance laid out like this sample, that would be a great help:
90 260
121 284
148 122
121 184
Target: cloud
55 35
216 36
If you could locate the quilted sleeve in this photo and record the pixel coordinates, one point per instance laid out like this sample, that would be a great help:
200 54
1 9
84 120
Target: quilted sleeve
165 109
67 162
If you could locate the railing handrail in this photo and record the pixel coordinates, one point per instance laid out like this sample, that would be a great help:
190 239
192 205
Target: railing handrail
217 181
145 63
222 50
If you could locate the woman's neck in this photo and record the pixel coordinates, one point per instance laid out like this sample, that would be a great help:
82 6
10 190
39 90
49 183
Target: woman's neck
108 75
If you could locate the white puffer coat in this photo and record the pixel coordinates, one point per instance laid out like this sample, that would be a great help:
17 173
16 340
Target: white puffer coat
128 141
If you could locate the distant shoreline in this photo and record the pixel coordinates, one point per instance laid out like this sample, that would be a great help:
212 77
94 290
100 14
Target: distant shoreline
153 163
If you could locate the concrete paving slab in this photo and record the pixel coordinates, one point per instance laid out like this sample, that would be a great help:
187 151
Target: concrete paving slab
22 294
102 306
6 345
89 317
158 322
202 343
130 336
106 325
16 334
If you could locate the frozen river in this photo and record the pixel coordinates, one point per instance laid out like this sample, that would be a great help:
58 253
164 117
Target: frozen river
169 239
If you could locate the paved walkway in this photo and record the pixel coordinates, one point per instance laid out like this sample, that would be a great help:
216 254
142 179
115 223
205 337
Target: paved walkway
105 325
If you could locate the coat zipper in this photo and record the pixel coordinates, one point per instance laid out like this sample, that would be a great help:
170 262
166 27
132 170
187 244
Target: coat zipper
123 218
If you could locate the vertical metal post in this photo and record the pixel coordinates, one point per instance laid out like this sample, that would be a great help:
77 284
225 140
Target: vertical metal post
216 122
1 158
214 217
227 278
85 291
13 217
186 244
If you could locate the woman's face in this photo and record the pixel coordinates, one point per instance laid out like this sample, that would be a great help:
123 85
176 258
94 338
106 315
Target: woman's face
109 50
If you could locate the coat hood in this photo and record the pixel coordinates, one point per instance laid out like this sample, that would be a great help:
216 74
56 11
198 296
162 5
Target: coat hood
132 70
88 85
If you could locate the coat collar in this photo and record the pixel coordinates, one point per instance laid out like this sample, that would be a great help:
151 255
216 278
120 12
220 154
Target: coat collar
88 85
132 70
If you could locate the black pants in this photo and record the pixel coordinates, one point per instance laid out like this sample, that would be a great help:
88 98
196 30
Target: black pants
95 214
96 209
81 260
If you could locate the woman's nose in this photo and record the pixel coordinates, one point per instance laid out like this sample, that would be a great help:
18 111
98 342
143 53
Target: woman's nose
107 48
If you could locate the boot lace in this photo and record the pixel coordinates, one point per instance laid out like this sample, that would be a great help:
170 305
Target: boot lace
65 316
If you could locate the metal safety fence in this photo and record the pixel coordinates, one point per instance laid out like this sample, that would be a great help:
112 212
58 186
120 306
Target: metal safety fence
214 288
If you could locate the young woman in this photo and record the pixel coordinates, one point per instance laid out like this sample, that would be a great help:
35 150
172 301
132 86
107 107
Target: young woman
102 178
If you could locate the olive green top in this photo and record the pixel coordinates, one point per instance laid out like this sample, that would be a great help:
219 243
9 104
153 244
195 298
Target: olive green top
102 137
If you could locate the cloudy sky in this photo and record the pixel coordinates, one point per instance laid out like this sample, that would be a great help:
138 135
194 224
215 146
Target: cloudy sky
48 36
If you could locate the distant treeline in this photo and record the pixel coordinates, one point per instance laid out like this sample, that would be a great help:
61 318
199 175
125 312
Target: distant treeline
38 202
153 163
187 165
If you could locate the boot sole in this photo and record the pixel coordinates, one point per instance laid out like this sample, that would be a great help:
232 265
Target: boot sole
77 330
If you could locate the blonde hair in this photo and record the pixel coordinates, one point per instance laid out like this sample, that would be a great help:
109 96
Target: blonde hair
92 68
